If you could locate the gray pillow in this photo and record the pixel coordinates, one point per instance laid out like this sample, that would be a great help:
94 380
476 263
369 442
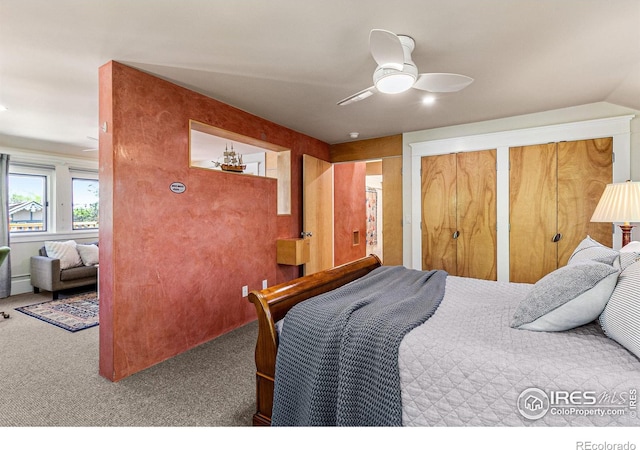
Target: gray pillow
591 250
567 298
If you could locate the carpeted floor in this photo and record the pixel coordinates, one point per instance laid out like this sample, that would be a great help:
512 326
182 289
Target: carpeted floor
49 377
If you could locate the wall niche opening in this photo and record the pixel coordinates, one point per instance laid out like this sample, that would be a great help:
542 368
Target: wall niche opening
207 145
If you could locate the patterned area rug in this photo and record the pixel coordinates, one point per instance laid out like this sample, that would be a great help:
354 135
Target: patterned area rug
73 313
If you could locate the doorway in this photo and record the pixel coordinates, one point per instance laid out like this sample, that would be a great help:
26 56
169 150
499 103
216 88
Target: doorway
361 208
374 205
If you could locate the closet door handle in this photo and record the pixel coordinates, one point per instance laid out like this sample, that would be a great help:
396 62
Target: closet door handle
456 234
557 237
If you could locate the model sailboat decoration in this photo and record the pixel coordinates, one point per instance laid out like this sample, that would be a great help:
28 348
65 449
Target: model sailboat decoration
232 161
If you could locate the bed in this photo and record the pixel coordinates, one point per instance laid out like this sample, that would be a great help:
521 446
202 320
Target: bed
487 354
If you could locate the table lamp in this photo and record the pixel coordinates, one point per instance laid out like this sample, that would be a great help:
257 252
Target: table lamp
620 202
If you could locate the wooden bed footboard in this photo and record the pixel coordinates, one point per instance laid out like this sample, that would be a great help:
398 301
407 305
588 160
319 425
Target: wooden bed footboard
273 303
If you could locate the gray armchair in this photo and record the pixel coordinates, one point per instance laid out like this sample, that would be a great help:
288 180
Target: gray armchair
47 275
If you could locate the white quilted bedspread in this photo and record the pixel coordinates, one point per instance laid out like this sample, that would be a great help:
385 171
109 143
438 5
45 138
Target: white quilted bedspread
466 366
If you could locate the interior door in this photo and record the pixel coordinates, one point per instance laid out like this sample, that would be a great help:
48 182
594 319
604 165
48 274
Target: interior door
317 192
439 213
584 169
392 211
476 214
532 212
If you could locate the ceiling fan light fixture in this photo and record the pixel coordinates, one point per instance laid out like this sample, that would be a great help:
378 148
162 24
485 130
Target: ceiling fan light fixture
396 72
392 81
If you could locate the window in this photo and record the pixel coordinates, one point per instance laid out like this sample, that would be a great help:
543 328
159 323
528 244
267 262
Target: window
85 205
27 202
52 201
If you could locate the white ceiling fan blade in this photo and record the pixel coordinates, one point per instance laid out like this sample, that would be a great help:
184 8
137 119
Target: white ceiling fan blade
386 49
368 92
442 82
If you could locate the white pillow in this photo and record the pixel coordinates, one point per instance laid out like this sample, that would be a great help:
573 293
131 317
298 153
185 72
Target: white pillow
633 246
64 251
620 319
566 298
627 258
629 254
88 253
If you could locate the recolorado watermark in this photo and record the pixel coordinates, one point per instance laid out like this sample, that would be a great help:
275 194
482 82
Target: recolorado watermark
535 403
588 445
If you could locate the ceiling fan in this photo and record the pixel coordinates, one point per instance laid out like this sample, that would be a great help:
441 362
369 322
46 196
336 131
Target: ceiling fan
396 72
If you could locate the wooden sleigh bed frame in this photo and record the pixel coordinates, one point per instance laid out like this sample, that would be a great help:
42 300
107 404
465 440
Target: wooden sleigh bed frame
271 306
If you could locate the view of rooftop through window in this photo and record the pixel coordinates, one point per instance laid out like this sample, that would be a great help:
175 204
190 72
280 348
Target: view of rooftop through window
27 203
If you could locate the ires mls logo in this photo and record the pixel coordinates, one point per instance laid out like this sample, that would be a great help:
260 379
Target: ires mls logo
534 403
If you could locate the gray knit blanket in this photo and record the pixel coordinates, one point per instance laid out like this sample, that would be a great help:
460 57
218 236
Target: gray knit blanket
337 361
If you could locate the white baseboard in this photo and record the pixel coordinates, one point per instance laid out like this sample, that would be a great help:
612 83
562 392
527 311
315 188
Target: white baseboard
21 286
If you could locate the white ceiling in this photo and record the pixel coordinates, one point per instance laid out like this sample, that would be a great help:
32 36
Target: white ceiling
291 61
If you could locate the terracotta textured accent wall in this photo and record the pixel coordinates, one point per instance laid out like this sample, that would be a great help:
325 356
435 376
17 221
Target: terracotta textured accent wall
172 265
349 211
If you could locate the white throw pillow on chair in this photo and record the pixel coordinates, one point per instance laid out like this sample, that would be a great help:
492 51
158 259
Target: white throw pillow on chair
88 254
65 251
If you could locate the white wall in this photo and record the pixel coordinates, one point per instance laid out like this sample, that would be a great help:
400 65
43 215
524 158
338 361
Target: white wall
25 246
545 119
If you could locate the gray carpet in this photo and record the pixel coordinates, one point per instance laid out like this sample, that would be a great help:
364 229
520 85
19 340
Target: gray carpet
49 377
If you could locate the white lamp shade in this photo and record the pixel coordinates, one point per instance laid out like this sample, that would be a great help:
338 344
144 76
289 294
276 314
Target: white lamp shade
620 202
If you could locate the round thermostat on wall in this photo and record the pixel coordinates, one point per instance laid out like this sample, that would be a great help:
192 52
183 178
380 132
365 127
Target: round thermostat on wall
177 188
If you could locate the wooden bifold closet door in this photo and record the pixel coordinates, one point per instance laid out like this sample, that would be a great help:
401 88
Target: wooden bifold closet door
553 191
533 191
459 213
584 170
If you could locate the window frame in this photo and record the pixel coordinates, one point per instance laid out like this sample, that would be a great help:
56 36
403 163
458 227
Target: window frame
88 176
48 174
